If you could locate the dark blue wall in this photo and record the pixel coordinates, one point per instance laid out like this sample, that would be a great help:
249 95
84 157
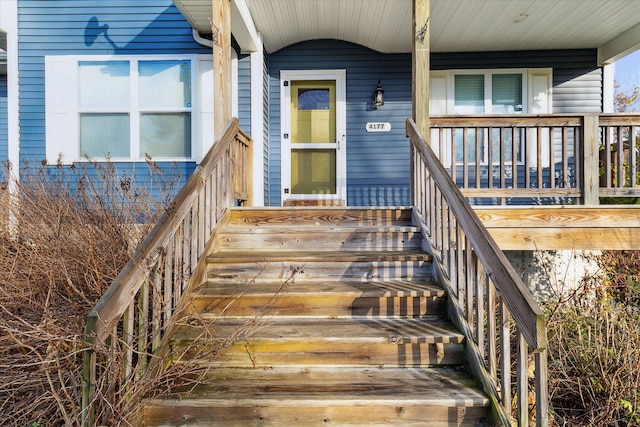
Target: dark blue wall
377 163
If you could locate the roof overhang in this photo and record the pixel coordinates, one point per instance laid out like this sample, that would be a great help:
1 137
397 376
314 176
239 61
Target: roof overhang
611 26
198 14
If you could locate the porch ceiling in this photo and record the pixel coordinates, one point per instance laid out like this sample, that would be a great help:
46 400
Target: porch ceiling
612 26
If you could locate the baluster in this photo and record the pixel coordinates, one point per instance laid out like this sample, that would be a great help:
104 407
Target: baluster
522 380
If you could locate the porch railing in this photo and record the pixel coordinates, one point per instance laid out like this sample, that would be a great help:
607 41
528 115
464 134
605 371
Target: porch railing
499 317
130 320
546 159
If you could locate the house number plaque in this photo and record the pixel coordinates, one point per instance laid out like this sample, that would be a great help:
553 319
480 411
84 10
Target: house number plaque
378 127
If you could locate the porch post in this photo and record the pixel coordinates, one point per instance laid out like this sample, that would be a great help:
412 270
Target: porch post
590 158
421 66
221 30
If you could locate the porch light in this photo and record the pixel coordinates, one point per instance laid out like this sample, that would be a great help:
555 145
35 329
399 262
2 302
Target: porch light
378 95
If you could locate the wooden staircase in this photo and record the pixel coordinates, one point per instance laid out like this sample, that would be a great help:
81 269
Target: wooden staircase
356 331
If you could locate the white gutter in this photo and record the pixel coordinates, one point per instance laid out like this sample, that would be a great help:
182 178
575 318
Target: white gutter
201 40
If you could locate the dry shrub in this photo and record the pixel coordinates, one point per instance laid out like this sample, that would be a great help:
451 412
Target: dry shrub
64 236
594 348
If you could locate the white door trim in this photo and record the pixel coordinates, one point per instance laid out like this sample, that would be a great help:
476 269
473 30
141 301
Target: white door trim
340 77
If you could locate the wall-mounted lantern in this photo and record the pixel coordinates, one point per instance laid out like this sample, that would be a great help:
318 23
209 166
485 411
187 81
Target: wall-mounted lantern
378 95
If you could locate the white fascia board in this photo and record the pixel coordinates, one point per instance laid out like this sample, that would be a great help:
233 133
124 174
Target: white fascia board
624 44
242 27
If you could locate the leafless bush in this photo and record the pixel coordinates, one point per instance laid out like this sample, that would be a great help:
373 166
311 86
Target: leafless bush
64 235
594 349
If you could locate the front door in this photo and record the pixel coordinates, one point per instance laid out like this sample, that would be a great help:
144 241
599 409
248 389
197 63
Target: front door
313 137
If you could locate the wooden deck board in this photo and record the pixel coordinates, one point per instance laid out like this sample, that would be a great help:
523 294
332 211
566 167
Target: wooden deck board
220 288
563 227
341 386
228 256
363 330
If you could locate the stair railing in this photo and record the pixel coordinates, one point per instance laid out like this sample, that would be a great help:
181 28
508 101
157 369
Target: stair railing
503 325
130 320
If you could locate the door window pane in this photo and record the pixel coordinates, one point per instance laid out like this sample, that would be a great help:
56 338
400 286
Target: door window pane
104 135
104 85
313 99
313 112
165 84
165 134
469 94
313 171
506 96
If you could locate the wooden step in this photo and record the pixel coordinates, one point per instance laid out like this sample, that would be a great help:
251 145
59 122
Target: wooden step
339 298
325 396
317 316
322 217
328 265
295 238
281 341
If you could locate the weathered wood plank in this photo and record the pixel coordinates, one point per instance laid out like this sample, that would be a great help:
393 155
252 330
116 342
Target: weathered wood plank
566 238
330 239
300 216
563 227
559 216
391 298
318 396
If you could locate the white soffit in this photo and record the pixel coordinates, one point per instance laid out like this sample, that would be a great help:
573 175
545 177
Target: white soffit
455 25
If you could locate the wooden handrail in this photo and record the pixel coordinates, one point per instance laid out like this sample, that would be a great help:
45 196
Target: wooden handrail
459 240
137 307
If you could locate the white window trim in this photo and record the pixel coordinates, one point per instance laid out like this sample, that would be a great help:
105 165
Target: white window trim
62 110
442 85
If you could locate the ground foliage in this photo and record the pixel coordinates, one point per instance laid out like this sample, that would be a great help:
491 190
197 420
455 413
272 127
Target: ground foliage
64 235
594 346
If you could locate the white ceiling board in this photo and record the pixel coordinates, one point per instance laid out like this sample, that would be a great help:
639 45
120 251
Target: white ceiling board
455 25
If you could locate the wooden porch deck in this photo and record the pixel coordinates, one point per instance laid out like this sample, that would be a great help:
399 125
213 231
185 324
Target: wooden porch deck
563 227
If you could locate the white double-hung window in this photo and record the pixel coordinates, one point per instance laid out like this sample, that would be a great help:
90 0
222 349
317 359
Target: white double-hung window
128 108
480 92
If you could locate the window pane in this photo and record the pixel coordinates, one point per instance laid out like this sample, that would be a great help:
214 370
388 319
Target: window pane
165 134
469 94
313 99
104 84
506 96
103 135
165 84
313 171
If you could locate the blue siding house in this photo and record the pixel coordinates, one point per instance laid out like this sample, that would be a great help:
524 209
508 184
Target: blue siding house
128 80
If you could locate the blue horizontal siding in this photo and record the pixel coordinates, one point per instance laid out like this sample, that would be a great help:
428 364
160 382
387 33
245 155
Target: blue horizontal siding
61 27
244 93
377 163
